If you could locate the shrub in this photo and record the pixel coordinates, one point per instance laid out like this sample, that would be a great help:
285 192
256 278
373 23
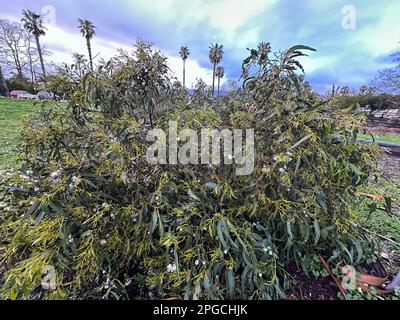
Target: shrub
23 84
113 226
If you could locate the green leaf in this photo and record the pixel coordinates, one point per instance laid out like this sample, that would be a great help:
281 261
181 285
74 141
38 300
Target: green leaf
221 236
154 218
355 169
301 47
57 209
300 141
289 229
39 217
230 283
211 185
32 209
193 196
317 231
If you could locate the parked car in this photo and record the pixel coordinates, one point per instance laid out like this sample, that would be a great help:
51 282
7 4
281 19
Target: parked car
14 94
47 95
19 94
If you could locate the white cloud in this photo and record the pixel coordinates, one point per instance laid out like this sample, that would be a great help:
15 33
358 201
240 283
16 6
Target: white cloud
381 37
314 63
229 19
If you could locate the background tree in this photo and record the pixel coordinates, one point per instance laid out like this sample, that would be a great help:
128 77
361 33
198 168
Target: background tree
79 63
219 74
33 57
215 55
87 29
13 45
34 24
3 84
388 80
184 53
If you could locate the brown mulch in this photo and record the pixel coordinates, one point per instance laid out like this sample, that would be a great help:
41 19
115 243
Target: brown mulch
390 168
309 287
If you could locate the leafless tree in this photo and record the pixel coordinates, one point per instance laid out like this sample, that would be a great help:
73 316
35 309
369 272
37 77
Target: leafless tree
13 45
18 53
388 80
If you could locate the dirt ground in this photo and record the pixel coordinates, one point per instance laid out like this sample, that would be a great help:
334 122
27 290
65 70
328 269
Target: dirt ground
392 168
309 287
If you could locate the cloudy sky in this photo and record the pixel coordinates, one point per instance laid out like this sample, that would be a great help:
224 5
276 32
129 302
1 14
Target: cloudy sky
354 38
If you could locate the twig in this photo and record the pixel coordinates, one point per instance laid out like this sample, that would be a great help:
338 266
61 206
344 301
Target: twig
334 278
378 235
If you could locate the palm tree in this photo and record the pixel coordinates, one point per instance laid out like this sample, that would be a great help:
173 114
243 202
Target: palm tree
33 23
219 74
88 31
264 48
80 61
216 54
184 53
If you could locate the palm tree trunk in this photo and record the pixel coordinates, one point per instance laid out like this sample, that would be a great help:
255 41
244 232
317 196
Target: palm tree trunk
90 53
213 83
3 84
184 73
219 79
39 48
31 66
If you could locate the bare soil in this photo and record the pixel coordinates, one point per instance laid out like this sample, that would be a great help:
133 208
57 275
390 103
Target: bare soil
309 287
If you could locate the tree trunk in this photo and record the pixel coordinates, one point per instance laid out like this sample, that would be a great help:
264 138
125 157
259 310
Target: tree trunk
3 85
184 73
39 48
33 78
219 79
90 53
17 62
213 83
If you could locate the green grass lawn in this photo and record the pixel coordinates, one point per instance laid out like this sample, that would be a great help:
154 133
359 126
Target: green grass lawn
387 137
12 112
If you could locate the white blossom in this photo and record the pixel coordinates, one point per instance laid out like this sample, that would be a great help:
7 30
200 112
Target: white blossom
171 268
55 174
